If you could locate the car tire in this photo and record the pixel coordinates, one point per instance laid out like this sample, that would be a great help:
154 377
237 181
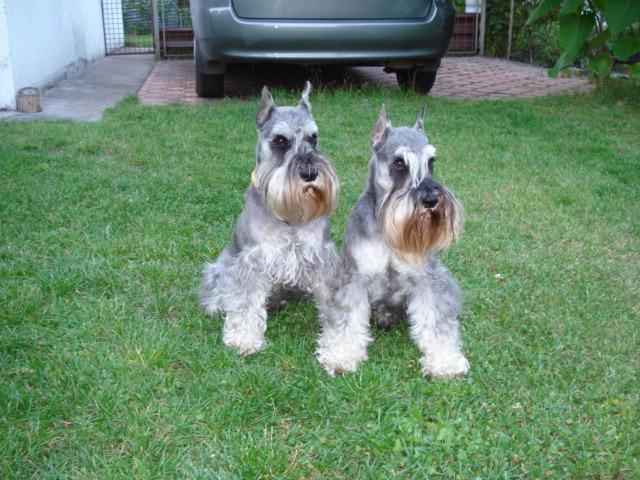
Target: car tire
209 86
417 80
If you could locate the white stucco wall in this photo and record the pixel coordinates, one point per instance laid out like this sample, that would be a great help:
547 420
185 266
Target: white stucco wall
48 38
7 99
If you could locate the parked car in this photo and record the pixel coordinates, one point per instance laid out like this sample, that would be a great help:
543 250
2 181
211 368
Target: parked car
408 37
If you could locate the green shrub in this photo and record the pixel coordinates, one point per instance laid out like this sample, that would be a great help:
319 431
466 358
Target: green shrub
537 44
599 31
459 4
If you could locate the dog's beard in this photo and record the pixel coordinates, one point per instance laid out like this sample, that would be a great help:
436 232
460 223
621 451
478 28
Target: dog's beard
294 201
412 230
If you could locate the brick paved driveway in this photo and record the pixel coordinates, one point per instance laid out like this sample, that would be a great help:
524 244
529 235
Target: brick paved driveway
459 77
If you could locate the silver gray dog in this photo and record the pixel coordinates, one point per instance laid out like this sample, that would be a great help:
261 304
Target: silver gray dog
280 247
391 269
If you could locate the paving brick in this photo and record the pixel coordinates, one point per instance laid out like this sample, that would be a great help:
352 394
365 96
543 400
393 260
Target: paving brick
459 78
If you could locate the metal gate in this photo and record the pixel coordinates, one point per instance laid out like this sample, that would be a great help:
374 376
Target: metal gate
147 26
175 33
128 26
465 34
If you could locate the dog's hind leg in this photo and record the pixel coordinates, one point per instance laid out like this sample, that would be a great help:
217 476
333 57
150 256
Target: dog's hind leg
433 309
212 282
281 297
345 335
384 316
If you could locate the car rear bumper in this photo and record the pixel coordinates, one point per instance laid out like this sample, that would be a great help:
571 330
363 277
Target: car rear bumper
223 37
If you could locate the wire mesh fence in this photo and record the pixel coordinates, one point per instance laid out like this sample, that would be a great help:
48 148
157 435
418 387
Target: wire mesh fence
128 26
465 34
175 30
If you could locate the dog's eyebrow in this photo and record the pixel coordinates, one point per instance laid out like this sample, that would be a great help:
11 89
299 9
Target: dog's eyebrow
310 128
418 164
412 161
283 129
429 151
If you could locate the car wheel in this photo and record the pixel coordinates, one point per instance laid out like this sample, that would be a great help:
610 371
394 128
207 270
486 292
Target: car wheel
209 86
417 80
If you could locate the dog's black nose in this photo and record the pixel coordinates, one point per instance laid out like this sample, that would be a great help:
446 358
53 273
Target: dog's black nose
428 199
308 173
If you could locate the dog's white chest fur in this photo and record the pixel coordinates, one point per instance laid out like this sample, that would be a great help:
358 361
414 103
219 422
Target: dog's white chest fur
382 271
294 257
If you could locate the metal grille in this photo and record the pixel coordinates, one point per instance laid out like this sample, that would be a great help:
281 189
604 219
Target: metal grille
128 26
175 31
465 34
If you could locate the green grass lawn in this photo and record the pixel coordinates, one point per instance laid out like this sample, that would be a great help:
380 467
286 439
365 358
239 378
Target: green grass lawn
108 369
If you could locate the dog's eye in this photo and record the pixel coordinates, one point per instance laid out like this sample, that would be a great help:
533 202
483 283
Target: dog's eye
281 141
398 163
313 139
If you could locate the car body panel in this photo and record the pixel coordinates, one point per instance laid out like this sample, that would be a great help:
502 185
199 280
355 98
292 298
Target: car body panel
223 37
332 9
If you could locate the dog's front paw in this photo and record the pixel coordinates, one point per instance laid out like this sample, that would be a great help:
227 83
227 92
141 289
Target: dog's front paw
337 360
444 366
245 342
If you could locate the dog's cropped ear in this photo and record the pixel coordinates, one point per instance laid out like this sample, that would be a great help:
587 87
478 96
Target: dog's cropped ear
419 125
381 129
304 98
266 108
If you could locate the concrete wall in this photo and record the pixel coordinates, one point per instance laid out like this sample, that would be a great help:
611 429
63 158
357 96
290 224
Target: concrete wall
7 99
47 39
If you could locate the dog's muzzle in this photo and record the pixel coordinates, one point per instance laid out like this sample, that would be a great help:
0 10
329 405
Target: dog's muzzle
307 168
307 172
428 199
427 194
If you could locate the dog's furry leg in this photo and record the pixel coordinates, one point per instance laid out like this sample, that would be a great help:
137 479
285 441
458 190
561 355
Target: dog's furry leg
210 289
433 310
246 321
245 309
345 335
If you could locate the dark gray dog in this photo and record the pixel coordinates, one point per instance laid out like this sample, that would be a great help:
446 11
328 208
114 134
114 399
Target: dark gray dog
401 219
281 244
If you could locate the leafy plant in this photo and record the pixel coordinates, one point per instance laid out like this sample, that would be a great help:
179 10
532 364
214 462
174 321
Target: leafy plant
184 16
602 31
459 5
137 16
497 27
537 43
